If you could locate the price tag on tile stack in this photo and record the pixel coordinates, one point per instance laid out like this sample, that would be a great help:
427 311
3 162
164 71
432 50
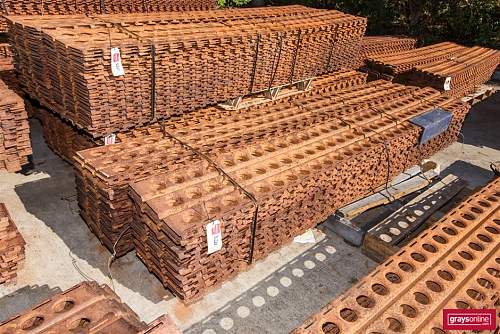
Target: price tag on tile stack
116 62
447 84
110 140
214 236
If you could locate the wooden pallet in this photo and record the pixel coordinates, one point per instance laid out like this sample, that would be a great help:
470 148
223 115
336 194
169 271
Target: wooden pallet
272 94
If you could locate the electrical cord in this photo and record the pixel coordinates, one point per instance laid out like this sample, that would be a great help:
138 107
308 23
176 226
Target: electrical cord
77 268
112 258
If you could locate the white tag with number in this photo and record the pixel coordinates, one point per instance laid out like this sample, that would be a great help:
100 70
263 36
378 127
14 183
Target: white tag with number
110 140
116 62
214 236
447 84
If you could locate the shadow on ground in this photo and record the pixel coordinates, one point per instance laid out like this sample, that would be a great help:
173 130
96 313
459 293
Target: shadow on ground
476 176
24 298
283 300
481 128
53 201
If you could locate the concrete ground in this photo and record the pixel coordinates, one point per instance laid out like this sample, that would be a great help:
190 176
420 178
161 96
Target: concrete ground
274 296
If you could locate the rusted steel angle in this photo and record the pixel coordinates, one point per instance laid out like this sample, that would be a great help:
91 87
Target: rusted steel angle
411 215
389 235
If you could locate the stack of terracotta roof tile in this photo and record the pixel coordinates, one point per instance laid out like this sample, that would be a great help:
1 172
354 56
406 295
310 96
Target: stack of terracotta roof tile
374 46
15 146
404 62
6 62
453 265
11 79
84 308
103 173
11 247
65 139
445 66
71 7
62 137
7 74
345 148
461 74
180 61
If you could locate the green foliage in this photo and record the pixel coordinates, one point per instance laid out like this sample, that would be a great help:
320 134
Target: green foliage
231 3
464 21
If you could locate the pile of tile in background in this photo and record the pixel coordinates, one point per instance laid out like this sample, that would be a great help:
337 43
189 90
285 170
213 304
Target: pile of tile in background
177 62
452 265
373 46
92 7
404 62
61 137
11 247
15 145
461 74
449 67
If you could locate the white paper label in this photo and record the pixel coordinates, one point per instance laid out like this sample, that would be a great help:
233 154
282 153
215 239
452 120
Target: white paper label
447 84
110 140
305 238
116 62
214 236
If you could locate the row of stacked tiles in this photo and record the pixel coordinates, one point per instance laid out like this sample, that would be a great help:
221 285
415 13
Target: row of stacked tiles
174 63
92 7
11 247
445 66
102 186
15 145
341 134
